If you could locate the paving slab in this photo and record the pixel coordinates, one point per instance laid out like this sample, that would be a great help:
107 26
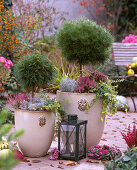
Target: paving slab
111 136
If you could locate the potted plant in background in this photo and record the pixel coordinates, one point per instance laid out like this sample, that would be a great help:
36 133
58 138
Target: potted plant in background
33 113
85 42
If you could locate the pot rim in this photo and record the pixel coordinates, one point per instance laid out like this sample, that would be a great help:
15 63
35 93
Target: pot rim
75 93
34 111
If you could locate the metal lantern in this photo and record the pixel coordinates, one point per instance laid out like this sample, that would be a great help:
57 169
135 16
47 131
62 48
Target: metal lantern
72 138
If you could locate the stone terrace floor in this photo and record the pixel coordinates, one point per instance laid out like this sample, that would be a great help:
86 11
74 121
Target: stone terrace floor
111 137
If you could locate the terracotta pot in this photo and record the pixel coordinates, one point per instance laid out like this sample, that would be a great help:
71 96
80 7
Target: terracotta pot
75 103
39 131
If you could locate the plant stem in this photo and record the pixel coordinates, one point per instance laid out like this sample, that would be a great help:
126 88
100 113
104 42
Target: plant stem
80 68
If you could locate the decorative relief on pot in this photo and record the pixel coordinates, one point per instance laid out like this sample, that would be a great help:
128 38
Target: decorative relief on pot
82 104
42 121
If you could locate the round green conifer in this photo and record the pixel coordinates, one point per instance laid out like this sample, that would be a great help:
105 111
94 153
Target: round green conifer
33 72
83 41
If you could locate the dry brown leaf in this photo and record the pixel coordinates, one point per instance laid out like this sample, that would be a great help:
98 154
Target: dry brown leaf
120 121
88 160
115 119
29 164
25 160
36 161
71 163
92 161
114 131
60 162
103 139
51 165
60 167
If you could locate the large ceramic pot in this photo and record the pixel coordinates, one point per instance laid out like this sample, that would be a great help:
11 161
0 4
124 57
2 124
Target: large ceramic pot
38 131
75 103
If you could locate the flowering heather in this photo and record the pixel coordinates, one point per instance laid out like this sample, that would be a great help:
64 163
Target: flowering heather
18 99
89 82
103 152
131 136
98 76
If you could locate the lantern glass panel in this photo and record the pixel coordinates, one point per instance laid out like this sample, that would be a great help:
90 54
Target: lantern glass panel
82 139
67 140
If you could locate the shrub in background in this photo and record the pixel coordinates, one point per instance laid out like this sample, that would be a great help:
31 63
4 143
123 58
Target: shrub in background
36 18
131 136
116 15
84 42
12 44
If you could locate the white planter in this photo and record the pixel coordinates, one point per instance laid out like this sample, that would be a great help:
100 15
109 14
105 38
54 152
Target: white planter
39 131
72 105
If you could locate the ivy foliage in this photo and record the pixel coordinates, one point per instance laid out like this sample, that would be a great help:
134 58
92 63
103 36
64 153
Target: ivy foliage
33 72
126 162
83 41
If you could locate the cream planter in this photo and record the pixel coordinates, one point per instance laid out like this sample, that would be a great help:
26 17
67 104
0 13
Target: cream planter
75 103
38 134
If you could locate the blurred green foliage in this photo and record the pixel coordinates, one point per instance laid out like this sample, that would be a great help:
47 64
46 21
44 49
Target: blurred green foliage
9 162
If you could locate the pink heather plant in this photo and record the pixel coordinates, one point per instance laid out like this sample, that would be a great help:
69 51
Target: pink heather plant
54 154
130 39
18 99
103 152
89 82
131 136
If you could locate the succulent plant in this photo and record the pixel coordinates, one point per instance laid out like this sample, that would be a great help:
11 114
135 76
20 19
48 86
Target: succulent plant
67 85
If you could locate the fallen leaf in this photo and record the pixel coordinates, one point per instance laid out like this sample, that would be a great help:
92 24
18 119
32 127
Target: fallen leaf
105 132
29 164
88 160
60 162
103 139
115 119
60 167
114 131
71 163
51 165
92 161
25 160
36 161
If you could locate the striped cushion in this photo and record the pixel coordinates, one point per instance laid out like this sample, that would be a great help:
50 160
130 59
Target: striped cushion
124 52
